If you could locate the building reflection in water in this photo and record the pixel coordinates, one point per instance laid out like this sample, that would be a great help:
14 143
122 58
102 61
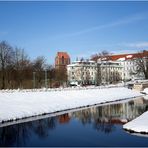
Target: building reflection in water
102 118
115 113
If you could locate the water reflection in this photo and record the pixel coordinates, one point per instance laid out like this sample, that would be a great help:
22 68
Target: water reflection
102 119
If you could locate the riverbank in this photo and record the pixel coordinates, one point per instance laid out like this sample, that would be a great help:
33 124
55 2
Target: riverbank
19 104
138 125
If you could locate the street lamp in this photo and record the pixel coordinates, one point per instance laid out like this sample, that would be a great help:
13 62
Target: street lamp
46 79
124 72
33 79
106 75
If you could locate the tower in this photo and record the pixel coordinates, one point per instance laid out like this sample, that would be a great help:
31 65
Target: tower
62 59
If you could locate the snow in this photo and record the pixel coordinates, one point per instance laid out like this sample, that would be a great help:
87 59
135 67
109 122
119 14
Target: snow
145 90
121 59
20 104
129 56
139 125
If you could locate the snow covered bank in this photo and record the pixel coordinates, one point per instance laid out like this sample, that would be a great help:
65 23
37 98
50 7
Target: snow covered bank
62 88
138 125
19 105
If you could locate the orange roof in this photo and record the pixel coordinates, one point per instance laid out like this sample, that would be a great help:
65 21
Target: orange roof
64 54
126 56
129 56
119 56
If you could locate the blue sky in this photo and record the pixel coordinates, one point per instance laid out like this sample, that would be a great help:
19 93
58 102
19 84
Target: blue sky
80 28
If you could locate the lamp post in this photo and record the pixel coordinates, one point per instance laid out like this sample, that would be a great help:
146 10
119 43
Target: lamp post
106 75
124 78
109 72
33 79
46 78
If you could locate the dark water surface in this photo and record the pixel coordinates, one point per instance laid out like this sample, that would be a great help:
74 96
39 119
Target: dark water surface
95 126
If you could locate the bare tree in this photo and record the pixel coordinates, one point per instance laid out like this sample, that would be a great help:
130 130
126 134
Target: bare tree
22 66
95 57
105 55
115 77
142 63
51 74
87 77
61 76
38 67
6 56
102 56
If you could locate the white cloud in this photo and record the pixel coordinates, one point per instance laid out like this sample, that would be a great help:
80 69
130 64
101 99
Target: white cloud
132 45
138 45
123 51
122 21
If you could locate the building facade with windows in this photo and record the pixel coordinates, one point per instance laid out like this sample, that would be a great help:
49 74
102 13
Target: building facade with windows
83 72
129 63
94 73
110 72
129 69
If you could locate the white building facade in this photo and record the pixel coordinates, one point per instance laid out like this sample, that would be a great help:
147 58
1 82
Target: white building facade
107 70
110 71
83 72
129 71
91 72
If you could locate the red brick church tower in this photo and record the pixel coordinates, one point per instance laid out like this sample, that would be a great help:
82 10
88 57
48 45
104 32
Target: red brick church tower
62 59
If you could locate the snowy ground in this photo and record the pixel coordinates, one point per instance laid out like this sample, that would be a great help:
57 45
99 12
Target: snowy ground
63 89
20 104
139 125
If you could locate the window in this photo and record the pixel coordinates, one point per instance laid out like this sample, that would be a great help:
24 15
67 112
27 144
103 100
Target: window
62 59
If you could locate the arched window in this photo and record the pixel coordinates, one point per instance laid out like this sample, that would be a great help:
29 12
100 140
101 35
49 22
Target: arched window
62 59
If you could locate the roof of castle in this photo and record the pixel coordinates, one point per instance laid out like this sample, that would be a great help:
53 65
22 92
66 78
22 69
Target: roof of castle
123 57
63 54
129 56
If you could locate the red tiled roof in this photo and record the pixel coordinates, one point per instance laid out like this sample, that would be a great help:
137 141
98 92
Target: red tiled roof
64 54
129 56
126 56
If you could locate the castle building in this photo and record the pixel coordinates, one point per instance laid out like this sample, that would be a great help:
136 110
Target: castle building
89 72
110 71
82 72
128 64
62 59
128 61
